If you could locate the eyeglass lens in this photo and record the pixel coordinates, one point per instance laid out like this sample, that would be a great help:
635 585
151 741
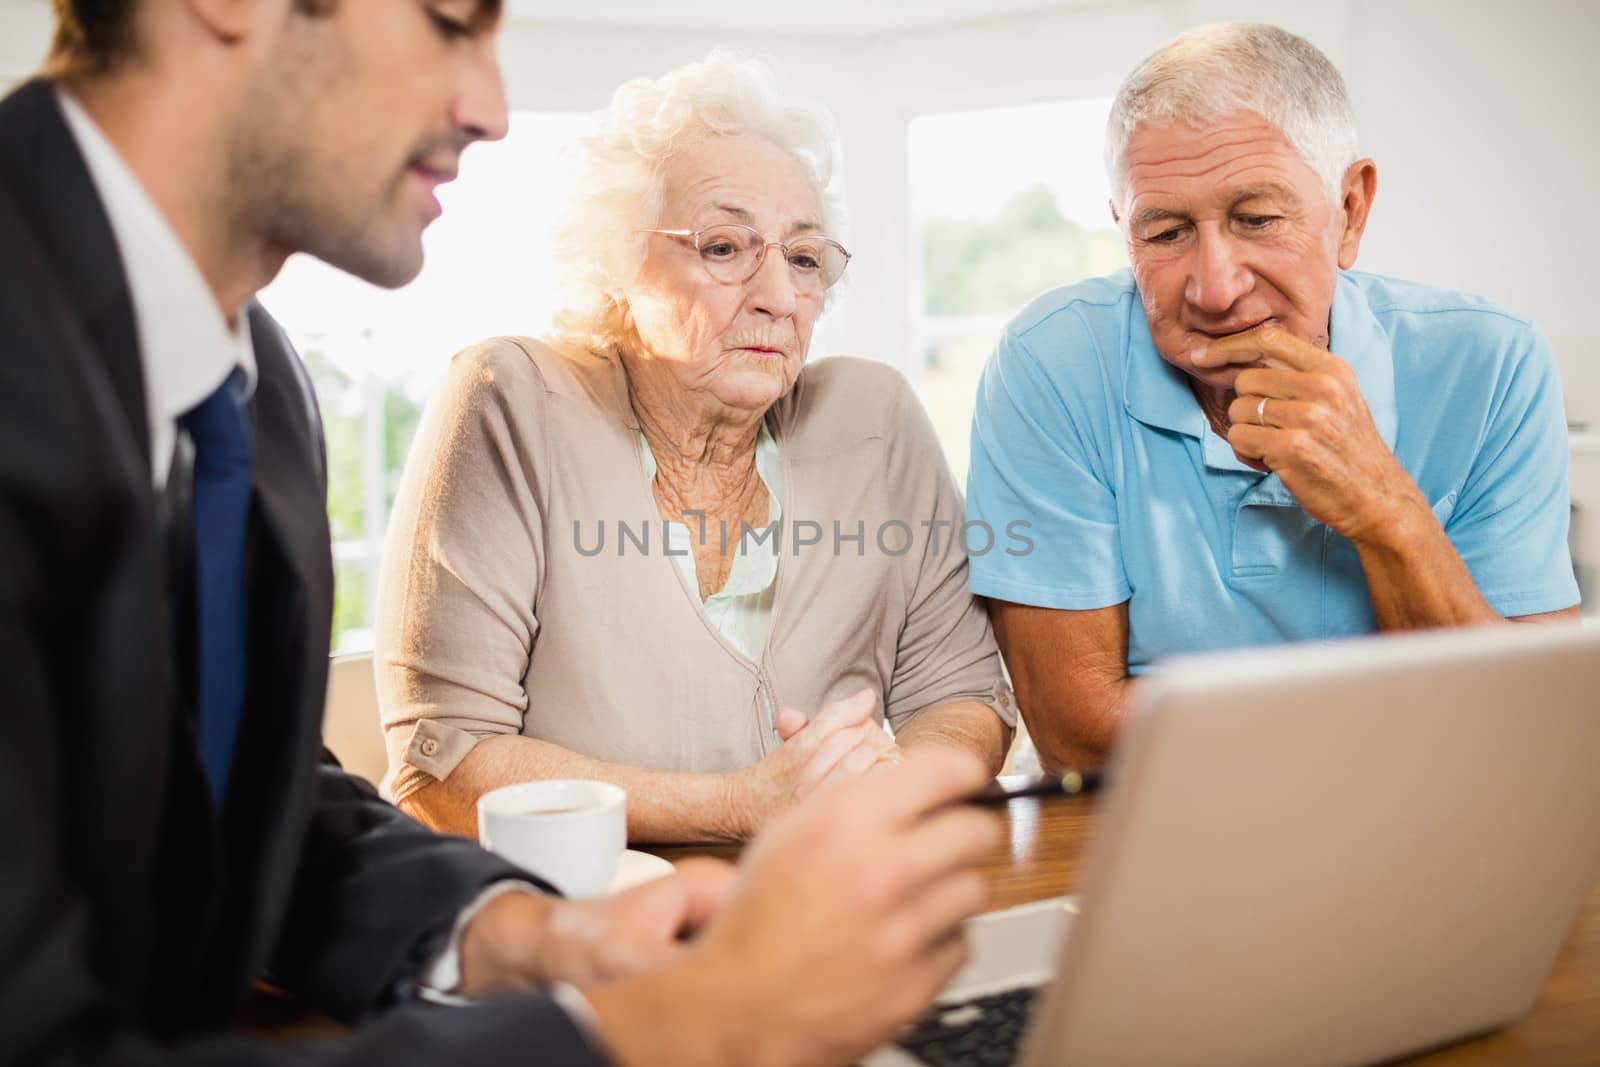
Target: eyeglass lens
734 253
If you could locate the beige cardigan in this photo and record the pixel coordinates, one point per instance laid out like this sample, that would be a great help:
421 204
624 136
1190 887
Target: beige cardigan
497 616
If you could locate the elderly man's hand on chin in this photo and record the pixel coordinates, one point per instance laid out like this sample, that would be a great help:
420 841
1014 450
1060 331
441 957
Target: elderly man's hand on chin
1299 413
1301 416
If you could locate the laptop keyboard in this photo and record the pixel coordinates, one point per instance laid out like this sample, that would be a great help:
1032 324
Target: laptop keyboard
982 1032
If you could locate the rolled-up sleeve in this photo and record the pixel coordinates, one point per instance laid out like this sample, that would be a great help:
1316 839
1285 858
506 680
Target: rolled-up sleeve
1036 470
946 652
461 569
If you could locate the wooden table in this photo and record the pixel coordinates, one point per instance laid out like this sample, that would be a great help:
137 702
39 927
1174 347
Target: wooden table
1046 839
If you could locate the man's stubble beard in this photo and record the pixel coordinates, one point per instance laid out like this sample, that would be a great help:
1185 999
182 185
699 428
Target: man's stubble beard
285 192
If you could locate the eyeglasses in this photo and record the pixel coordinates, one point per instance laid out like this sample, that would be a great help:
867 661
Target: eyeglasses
732 254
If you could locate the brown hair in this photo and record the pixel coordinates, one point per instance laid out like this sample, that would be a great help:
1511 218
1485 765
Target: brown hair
93 36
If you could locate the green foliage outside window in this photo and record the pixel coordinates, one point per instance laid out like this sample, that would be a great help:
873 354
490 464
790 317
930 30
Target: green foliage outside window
989 268
343 416
995 265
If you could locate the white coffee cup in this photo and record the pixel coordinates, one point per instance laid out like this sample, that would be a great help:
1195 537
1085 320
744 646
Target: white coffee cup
570 832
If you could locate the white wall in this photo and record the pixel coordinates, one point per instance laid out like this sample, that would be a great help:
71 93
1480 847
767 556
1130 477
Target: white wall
1481 117
24 34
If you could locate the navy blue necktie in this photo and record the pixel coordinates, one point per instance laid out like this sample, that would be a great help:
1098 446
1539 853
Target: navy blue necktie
219 427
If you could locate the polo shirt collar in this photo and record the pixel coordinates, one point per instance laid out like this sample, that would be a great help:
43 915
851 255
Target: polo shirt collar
1157 394
1356 336
1153 390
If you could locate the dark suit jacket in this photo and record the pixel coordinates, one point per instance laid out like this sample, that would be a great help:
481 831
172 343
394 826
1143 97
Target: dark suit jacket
133 918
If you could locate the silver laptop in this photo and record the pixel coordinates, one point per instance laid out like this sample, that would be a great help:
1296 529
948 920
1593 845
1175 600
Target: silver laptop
1318 854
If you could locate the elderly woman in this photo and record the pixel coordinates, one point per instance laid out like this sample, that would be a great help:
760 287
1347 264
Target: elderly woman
630 551
1241 441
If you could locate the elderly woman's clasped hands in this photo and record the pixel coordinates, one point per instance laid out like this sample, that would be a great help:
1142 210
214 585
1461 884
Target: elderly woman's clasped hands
841 742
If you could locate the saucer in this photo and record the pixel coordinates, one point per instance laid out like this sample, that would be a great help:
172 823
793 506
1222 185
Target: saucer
636 868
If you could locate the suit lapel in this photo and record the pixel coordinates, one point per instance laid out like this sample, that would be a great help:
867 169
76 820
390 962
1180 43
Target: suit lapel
41 165
42 168
40 161
291 599
292 497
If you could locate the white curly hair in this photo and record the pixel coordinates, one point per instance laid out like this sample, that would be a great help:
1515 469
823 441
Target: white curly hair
617 177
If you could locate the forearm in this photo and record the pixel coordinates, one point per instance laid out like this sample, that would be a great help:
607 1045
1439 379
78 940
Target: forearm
1078 732
1417 580
1070 672
967 725
663 806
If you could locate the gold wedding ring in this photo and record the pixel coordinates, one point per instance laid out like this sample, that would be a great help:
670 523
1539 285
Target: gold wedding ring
1261 412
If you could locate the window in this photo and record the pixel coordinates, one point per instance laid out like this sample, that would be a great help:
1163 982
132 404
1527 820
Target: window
1006 204
374 355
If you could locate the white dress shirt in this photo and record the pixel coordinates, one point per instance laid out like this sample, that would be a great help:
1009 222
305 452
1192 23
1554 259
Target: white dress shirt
187 344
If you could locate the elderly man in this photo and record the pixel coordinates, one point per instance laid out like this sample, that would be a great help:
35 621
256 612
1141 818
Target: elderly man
1242 441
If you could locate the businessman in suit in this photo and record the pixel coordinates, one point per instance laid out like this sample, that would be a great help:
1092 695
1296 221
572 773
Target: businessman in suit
169 830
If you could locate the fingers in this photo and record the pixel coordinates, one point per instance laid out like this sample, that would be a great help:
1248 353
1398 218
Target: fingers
833 734
1250 441
647 925
920 982
873 751
1271 346
704 883
949 902
929 778
1276 412
1249 410
888 761
847 712
949 841
1276 382
935 914
634 950
858 759
790 722
1257 446
944 958
858 744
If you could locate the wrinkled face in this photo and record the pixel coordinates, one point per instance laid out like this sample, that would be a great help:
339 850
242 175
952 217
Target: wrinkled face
1228 229
356 118
741 344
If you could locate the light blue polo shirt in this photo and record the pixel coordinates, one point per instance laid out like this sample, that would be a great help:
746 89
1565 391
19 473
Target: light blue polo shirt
1082 431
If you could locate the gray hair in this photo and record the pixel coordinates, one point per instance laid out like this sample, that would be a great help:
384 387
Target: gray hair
618 176
1200 76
